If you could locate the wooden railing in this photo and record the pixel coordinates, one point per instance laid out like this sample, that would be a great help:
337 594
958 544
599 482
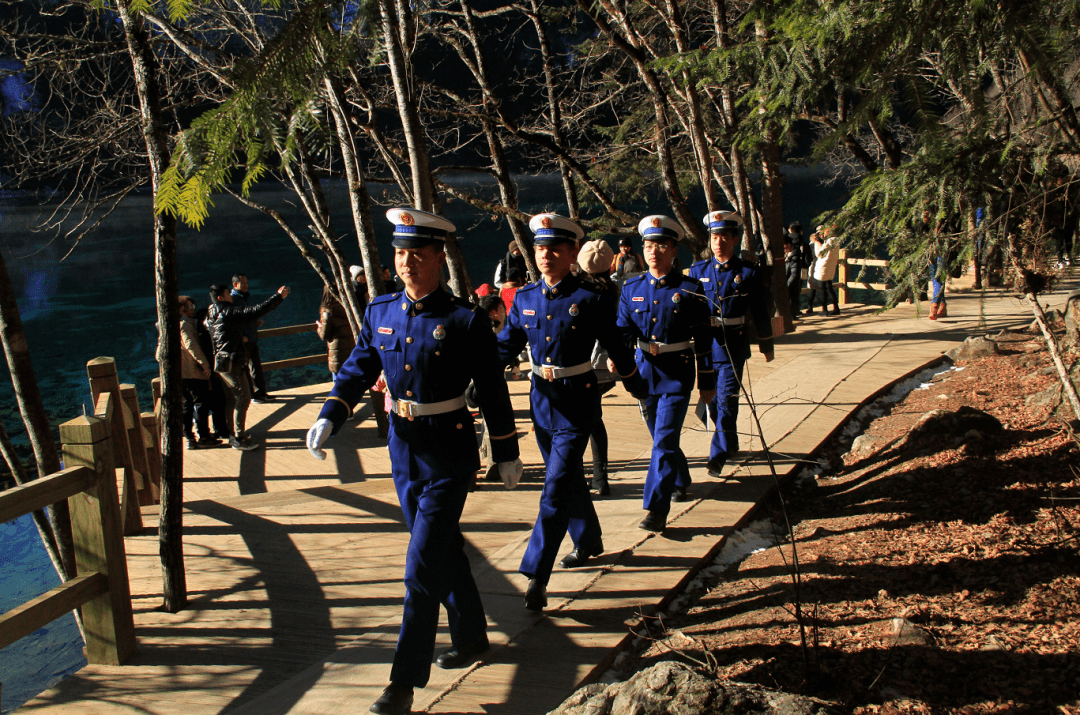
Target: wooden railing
296 361
93 449
842 282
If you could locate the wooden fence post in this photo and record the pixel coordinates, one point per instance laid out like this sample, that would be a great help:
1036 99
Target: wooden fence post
153 451
99 545
841 284
103 379
149 492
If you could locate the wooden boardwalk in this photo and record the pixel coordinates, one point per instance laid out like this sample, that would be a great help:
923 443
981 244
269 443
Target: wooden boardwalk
294 566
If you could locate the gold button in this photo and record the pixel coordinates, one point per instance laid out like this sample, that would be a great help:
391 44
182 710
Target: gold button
438 353
382 347
656 302
654 337
554 291
419 306
526 325
408 393
549 317
459 425
676 310
652 282
404 306
654 320
408 367
661 282
573 327
408 340
548 359
548 338
588 384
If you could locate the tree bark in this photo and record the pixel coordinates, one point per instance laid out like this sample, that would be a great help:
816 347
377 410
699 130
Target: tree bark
170 528
38 429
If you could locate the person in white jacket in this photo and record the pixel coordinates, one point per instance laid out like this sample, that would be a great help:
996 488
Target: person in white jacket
823 272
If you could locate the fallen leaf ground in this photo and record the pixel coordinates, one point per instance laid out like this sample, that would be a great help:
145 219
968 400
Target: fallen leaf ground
936 578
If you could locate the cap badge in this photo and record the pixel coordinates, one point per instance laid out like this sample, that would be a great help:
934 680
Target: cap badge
406 219
574 310
439 333
546 222
656 222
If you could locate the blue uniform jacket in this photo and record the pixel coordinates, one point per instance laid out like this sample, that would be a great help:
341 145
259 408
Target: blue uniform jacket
734 289
668 310
430 350
561 325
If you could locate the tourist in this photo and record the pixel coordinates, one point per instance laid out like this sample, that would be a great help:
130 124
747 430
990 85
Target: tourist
432 445
194 378
240 296
626 263
826 256
226 322
794 268
513 259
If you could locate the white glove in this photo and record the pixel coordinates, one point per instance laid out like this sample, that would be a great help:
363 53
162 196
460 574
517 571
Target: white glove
510 472
319 433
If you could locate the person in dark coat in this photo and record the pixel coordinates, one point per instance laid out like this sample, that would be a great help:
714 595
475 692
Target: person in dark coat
793 268
240 296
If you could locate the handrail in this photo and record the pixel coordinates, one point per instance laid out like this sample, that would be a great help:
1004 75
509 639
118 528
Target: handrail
843 284
291 362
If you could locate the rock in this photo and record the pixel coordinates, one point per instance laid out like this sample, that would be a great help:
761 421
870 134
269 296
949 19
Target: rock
977 347
864 445
1052 401
941 425
671 688
907 633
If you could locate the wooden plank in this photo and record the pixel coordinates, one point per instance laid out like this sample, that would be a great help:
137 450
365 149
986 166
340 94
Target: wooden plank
295 362
868 286
153 452
874 262
104 381
287 330
23 620
137 443
43 492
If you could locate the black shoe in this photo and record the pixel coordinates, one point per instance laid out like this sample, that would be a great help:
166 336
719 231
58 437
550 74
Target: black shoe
457 657
580 555
191 443
244 444
536 596
262 398
680 495
653 522
209 441
715 467
601 487
395 700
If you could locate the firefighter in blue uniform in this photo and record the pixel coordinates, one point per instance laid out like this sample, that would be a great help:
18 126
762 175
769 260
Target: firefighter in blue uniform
560 318
735 294
430 345
660 312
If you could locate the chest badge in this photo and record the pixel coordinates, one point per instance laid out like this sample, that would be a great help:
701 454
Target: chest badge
528 312
705 279
676 298
439 332
386 331
737 279
574 310
638 299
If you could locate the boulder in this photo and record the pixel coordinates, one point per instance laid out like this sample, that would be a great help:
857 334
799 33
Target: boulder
1052 401
963 425
671 688
865 445
977 347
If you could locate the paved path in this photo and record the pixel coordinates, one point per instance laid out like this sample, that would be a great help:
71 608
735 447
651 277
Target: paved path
294 567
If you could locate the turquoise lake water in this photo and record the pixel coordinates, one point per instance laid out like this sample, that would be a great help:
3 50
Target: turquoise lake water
99 301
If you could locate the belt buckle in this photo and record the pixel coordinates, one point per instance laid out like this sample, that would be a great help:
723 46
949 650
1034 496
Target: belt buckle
654 349
547 372
405 410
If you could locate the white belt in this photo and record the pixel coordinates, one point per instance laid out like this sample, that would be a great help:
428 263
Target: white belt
657 348
549 372
716 321
409 409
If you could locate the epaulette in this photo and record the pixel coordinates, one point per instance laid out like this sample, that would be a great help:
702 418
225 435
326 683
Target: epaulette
462 303
591 287
635 279
528 287
386 298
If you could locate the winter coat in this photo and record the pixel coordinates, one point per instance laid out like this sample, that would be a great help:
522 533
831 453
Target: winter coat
827 255
226 323
793 266
193 362
334 328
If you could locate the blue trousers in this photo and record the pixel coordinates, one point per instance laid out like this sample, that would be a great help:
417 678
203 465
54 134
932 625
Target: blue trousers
724 409
436 572
667 468
565 503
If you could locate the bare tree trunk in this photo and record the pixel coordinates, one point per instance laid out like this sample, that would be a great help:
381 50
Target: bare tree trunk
170 528
33 414
772 227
